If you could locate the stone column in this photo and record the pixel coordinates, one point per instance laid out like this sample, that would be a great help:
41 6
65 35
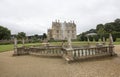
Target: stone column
111 39
23 42
88 40
111 46
15 47
103 40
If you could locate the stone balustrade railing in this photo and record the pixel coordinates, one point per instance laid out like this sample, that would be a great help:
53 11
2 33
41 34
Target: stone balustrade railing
67 53
72 54
52 51
79 53
46 51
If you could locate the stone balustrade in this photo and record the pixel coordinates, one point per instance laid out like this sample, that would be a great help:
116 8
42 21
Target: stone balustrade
51 51
93 51
69 55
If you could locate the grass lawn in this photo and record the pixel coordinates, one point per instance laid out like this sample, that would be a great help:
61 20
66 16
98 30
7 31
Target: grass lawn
11 46
78 43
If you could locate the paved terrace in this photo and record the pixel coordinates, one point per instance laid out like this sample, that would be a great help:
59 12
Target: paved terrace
31 66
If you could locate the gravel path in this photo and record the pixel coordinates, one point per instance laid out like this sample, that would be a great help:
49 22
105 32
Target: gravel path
33 66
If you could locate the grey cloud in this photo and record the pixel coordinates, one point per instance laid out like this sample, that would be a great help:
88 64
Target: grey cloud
36 16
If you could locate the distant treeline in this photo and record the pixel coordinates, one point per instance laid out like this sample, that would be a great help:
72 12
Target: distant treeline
102 30
7 38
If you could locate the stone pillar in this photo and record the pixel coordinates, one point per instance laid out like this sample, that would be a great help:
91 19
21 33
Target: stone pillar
111 46
15 47
88 41
23 42
111 39
103 40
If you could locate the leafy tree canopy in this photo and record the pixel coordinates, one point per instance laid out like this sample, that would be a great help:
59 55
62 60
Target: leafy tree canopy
21 35
5 33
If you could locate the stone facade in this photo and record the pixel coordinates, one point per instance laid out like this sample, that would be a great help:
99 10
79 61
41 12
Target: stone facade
62 31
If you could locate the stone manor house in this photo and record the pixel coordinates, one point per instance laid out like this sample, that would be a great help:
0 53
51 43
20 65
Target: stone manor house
62 30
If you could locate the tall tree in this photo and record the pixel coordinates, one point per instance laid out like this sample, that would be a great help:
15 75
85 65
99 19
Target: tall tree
109 27
100 30
36 36
99 26
21 35
83 37
91 31
117 20
117 25
5 33
44 36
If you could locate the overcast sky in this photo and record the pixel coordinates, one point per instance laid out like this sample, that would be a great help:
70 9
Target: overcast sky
36 16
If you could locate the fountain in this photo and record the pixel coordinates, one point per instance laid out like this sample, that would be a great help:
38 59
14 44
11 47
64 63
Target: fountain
64 38
63 35
63 30
66 50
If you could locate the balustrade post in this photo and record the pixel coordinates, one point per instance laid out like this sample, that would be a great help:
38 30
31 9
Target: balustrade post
74 53
23 41
89 51
85 52
106 50
82 52
95 50
15 47
56 51
78 53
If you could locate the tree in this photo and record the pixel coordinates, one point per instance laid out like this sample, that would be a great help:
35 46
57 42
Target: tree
96 37
91 31
117 20
5 33
117 25
114 38
99 26
83 37
21 35
44 36
103 30
109 27
90 38
36 36
100 30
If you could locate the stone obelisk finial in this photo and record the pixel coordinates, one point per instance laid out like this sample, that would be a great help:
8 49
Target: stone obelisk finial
111 39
